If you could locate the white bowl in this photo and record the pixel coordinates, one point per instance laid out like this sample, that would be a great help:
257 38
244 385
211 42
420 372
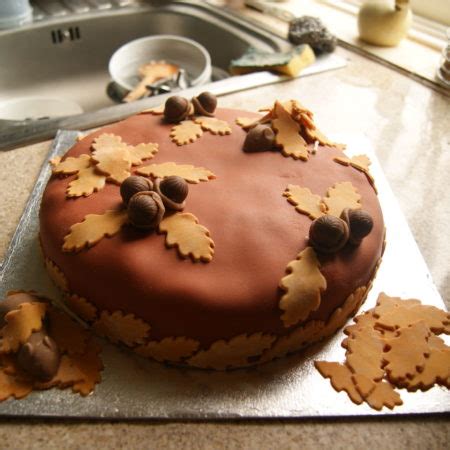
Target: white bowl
185 53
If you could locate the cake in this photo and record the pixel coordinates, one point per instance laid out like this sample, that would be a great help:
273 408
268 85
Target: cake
275 246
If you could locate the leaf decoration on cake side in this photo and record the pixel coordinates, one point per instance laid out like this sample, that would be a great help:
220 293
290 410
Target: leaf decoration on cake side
56 275
86 183
186 132
213 125
358 162
172 349
305 201
190 173
340 196
288 136
191 239
118 327
82 307
93 228
302 285
72 165
20 323
233 353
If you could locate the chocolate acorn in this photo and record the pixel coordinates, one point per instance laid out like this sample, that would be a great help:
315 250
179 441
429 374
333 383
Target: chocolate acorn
132 185
145 210
328 234
259 139
177 109
39 356
205 104
173 191
360 224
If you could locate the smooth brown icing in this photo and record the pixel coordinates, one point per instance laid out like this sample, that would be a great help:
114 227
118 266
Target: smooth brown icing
256 232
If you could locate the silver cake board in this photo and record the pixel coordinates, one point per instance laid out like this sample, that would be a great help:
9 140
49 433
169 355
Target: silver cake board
134 388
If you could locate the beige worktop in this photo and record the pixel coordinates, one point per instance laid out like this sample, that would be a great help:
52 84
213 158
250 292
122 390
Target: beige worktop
409 127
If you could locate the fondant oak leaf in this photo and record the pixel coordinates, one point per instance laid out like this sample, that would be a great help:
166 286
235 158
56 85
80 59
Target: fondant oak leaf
56 275
72 165
246 122
303 286
191 239
141 152
213 125
82 308
67 375
305 201
157 110
233 353
87 182
376 394
186 132
11 386
118 327
340 196
360 162
172 349
288 134
115 163
190 173
314 134
93 228
20 323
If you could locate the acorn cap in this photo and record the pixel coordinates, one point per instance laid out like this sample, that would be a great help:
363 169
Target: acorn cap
132 185
173 191
145 210
360 224
176 109
328 234
205 104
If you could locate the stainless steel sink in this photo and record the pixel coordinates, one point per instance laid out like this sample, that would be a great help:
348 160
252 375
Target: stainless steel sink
65 52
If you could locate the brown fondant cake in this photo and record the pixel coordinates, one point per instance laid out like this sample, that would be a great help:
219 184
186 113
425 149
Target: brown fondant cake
239 273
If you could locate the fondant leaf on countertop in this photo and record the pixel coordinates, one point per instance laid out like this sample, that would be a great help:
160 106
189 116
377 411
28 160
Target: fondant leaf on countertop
186 132
11 386
288 134
213 125
303 286
304 200
87 182
190 173
93 228
340 196
191 239
72 165
233 353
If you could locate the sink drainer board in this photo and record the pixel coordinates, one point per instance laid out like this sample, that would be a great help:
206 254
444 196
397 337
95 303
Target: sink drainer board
134 388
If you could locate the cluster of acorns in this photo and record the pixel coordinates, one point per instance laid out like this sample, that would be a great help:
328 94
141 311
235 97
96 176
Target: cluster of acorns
147 200
179 108
328 234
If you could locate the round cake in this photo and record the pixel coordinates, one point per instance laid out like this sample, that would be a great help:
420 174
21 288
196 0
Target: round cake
264 256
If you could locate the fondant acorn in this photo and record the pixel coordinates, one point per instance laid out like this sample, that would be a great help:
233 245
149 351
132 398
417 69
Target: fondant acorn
132 185
328 234
259 139
173 191
205 104
360 224
177 109
145 210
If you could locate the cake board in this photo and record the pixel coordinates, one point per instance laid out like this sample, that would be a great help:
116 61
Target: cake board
134 388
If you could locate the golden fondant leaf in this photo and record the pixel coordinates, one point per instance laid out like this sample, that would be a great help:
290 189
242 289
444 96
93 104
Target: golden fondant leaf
304 200
11 386
118 327
190 173
20 323
172 349
233 353
213 125
72 165
186 132
288 134
246 122
157 110
67 375
86 183
90 365
340 196
314 134
303 285
93 228
191 239
115 164
56 275
142 152
82 308
360 162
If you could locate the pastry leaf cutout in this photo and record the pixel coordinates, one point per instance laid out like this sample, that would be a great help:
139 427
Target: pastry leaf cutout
213 125
340 196
191 239
186 132
305 201
190 173
303 286
72 165
93 228
86 183
172 349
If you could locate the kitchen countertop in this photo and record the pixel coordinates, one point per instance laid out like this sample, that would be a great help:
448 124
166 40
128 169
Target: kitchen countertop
408 125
